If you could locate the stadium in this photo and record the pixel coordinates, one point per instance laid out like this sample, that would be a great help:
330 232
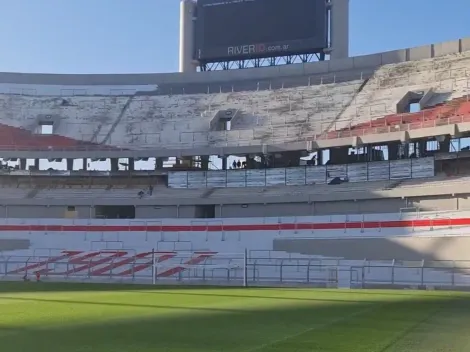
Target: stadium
233 199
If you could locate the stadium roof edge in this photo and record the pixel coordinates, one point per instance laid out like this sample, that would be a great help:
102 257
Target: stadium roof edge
357 63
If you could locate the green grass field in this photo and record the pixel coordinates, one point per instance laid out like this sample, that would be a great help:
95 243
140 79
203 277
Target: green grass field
109 318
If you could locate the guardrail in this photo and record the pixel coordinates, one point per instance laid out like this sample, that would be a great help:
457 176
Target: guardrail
304 175
425 220
236 270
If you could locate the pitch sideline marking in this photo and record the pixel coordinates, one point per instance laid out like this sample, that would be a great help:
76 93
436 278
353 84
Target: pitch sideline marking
297 334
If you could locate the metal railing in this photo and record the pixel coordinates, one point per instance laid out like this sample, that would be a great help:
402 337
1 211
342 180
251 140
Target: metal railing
226 227
422 123
237 270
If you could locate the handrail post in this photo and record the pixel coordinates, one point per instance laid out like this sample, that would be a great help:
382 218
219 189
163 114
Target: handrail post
308 271
453 273
245 268
254 270
422 272
281 270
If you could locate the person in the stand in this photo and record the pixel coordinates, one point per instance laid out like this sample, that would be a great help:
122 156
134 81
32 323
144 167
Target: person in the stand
312 161
234 165
239 164
38 276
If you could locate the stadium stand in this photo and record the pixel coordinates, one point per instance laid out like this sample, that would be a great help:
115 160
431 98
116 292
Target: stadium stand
262 116
388 206
444 82
178 120
92 252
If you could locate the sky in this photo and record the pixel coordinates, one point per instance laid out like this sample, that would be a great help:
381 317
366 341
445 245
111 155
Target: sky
130 36
141 36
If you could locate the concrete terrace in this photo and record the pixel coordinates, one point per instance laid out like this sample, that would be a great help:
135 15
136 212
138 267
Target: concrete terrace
276 107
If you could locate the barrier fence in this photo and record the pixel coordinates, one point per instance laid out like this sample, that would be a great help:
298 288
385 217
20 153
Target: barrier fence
304 175
106 230
237 270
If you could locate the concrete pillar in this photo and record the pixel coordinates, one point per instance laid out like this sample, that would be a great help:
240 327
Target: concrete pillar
421 148
405 149
186 47
339 29
339 155
131 162
444 145
114 164
250 162
393 149
23 164
70 164
158 163
85 164
320 157
204 162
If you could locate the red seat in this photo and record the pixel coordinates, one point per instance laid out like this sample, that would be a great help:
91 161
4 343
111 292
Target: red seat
439 114
15 137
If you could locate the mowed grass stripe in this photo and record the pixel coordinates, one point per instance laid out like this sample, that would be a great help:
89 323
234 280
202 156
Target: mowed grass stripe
72 318
446 330
377 330
285 339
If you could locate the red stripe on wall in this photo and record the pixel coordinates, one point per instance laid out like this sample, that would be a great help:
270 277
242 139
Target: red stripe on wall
241 227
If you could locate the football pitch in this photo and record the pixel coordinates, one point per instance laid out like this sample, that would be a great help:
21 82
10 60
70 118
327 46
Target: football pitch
45 317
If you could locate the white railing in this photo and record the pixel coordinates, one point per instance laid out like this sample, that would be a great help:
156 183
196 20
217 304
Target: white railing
274 268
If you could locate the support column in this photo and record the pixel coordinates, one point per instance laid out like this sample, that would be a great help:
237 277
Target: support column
368 150
339 29
70 164
187 13
320 157
114 165
158 163
339 155
265 161
23 163
444 146
131 163
405 149
204 162
250 162
85 164
224 163
422 144
393 149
